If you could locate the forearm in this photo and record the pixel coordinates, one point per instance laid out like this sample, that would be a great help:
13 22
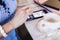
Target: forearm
7 28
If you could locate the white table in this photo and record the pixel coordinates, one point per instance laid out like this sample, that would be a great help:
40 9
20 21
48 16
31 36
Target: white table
31 27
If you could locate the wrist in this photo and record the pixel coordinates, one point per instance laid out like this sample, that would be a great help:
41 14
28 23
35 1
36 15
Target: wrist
16 22
7 27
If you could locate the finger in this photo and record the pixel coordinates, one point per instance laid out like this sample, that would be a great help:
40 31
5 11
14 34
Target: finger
25 8
42 1
29 11
22 9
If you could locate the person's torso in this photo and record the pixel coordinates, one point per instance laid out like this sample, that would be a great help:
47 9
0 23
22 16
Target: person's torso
7 9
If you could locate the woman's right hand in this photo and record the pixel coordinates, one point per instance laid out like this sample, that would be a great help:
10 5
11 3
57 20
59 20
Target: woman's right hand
19 18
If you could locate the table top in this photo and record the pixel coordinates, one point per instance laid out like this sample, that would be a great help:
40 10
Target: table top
31 27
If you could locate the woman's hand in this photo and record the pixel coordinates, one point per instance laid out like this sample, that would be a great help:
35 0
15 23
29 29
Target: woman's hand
53 10
41 1
21 16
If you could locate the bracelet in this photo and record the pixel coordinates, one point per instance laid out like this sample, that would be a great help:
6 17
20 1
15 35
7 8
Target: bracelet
2 32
